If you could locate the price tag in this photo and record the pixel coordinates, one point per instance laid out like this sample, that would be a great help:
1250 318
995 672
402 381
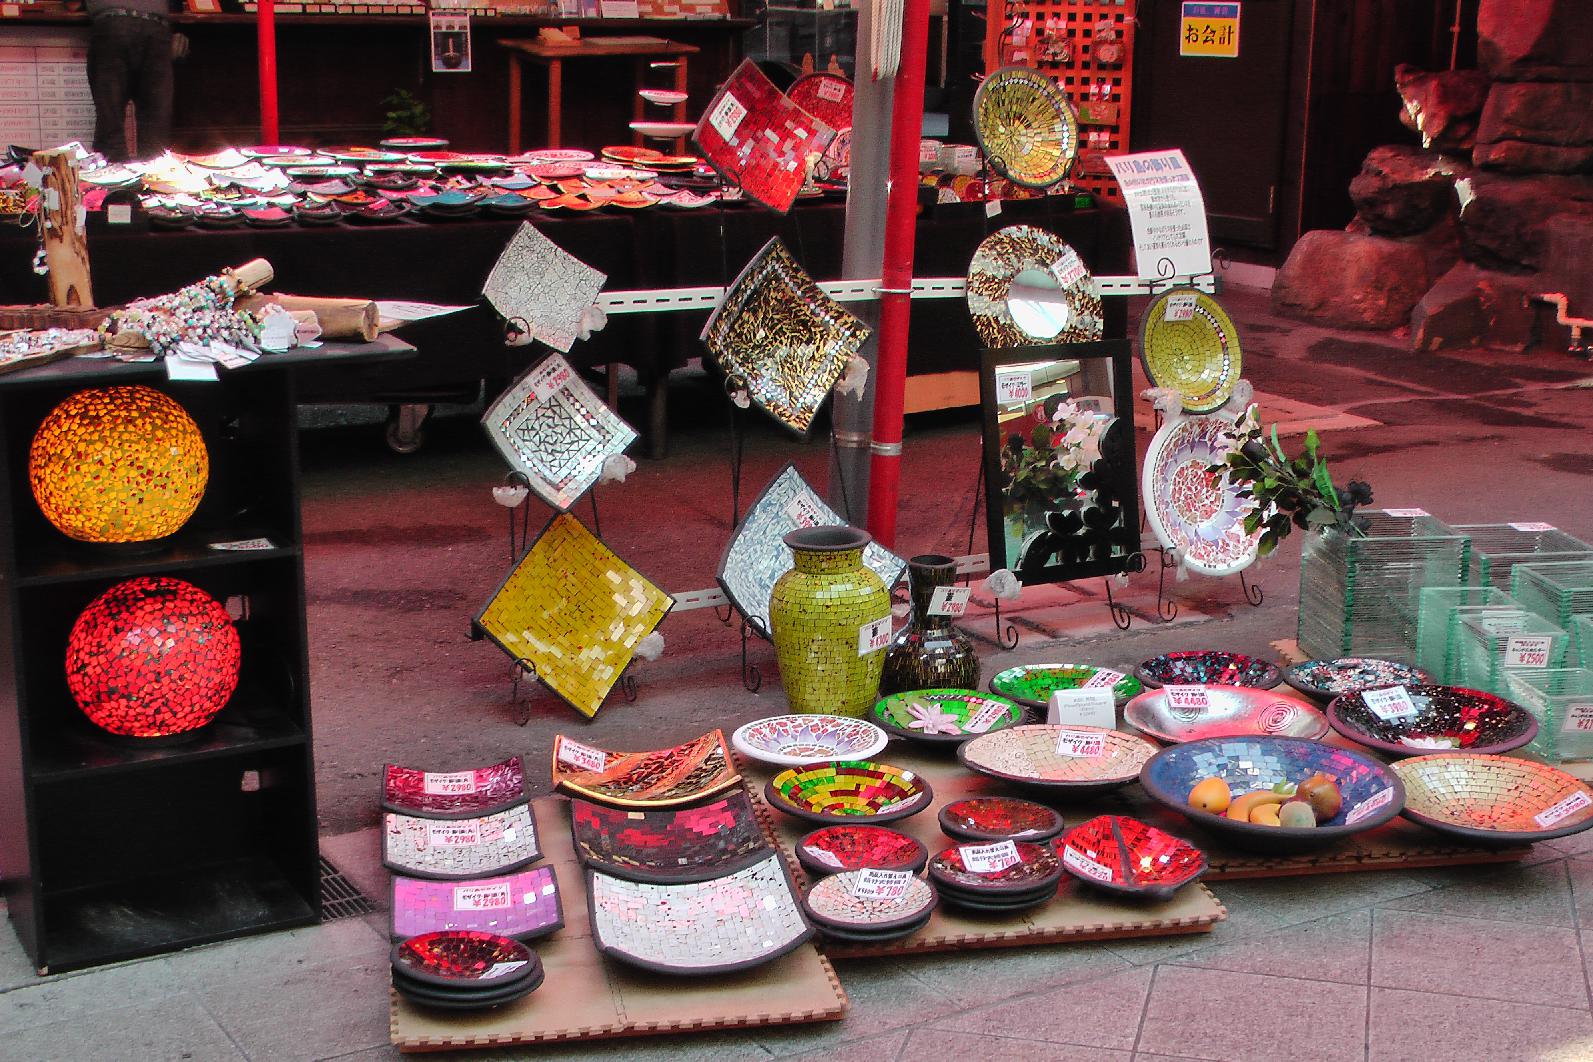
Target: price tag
1390 704
984 718
1527 650
1014 385
804 511
551 378
1562 809
825 856
452 834
928 152
458 783
992 207
1082 863
949 600
1069 270
1080 744
726 116
832 91
582 757
1533 527
1104 678
1189 698
872 637
1503 623
1369 805
119 214
502 969
1578 719
875 884
1083 707
244 544
1408 513
989 858
483 897
1180 307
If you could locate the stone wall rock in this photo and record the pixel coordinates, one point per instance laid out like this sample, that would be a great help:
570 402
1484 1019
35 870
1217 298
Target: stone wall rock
1443 107
1544 112
1402 190
1350 280
1519 156
1504 220
1535 40
1475 307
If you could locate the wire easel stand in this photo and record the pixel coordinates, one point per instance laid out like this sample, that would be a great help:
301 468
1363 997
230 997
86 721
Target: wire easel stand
1122 618
1006 637
751 677
522 706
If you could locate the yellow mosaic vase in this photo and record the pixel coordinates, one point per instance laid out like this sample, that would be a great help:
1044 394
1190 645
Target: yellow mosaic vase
825 618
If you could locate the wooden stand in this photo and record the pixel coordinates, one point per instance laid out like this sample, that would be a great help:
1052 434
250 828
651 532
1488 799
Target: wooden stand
61 217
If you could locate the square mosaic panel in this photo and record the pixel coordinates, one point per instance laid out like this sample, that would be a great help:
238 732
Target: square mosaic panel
757 555
551 427
780 332
537 282
676 845
759 140
460 848
523 905
574 611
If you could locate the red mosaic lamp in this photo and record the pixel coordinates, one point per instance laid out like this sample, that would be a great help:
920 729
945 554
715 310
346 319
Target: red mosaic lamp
152 657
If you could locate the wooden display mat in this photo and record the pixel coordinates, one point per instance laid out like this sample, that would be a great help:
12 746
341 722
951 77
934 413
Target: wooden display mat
588 997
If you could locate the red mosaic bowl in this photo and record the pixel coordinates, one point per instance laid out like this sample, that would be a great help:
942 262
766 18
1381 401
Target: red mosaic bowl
999 819
1123 855
833 849
1037 868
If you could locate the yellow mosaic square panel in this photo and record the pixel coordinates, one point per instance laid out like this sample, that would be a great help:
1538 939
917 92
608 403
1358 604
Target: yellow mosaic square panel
574 611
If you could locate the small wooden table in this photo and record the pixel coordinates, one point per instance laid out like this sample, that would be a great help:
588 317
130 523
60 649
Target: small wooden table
642 50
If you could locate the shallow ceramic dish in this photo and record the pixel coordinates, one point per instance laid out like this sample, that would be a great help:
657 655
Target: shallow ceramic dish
831 849
945 716
846 790
1032 684
671 845
1496 800
464 958
474 1001
1326 679
458 849
832 903
1198 513
884 936
664 130
998 909
1372 793
523 905
1028 756
691 771
999 819
1124 855
792 740
1229 711
454 794
1208 667
1036 870
1447 719
662 97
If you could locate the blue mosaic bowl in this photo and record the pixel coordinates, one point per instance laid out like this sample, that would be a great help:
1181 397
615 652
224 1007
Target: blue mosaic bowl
1372 793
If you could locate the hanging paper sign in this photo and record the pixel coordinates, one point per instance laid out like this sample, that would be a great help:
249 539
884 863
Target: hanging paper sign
458 783
483 897
582 757
1533 527
872 637
1014 385
1209 30
1082 707
1369 805
1181 307
452 834
1167 213
551 377
450 43
1104 678
1390 704
984 718
804 511
989 858
1187 698
872 883
1082 863
1069 270
1080 744
949 600
1529 650
1562 809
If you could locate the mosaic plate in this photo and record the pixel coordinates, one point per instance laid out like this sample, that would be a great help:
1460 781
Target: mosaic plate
1229 711
1494 799
574 612
758 139
1025 126
1028 755
782 335
1072 313
453 794
756 555
1326 679
1120 854
546 156
831 902
945 716
827 97
1037 868
999 819
738 921
1208 667
673 845
792 740
1032 684
689 772
831 849
451 849
1190 345
464 959
1447 719
524 905
537 283
1193 511
472 1001
849 789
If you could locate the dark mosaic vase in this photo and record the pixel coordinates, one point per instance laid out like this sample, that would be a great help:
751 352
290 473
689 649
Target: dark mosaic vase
929 653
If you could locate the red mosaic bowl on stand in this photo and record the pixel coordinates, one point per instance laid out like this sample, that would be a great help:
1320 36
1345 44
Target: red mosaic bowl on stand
1124 855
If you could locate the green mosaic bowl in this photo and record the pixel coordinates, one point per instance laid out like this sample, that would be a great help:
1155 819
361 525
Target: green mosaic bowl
950 718
1032 684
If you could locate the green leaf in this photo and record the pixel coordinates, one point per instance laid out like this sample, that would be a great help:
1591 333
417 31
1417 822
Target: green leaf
1041 435
1268 543
1321 516
1277 447
1312 442
1252 521
1324 483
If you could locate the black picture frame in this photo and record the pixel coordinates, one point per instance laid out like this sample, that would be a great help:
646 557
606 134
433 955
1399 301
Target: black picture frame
1100 537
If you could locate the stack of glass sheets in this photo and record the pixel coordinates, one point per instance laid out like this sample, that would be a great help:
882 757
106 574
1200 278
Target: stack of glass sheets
1438 612
1555 590
1562 700
1498 548
1581 641
1494 643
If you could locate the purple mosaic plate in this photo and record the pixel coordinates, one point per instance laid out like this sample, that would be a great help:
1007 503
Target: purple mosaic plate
457 849
524 905
454 794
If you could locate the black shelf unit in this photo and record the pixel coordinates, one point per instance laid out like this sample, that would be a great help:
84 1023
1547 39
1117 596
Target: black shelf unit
114 849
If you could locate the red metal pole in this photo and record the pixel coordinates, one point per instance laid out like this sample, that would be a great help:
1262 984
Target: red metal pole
890 379
266 20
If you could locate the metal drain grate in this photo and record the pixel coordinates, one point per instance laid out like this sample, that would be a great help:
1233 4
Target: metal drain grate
339 897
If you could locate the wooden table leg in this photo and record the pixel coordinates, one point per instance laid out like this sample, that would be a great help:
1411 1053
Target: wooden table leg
514 104
680 108
555 99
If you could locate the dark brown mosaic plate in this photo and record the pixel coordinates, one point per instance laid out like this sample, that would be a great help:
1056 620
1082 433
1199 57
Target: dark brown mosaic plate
675 845
1447 719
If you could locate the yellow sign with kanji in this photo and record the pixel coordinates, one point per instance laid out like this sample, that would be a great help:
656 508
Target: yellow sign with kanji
1210 30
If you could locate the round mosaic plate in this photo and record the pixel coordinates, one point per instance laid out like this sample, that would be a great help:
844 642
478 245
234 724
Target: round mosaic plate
1033 684
827 97
1326 679
999 819
832 902
1230 711
1028 755
1192 510
832 849
1447 719
1036 869
452 958
848 789
1031 258
1494 799
792 740
1208 667
1120 854
1191 350
945 716
1025 126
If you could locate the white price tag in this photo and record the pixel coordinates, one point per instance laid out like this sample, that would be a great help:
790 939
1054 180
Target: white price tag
984 718
1083 707
582 757
552 377
1069 270
875 884
989 858
1533 527
1504 623
928 152
452 834
457 783
992 207
244 544
1369 805
119 214
502 969
1578 719
1390 704
949 600
872 637
1082 863
726 116
1527 650
805 512
1562 809
1180 307
1408 513
825 856
832 91
1189 698
1104 678
483 897
1014 385
1080 744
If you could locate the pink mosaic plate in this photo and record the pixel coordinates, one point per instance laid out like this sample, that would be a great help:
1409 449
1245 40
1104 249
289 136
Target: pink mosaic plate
1192 510
454 794
524 905
835 901
793 740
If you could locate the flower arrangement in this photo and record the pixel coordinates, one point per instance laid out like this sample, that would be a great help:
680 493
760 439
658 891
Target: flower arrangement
1058 444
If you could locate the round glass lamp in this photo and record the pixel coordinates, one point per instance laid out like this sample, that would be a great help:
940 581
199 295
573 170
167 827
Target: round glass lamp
152 657
118 465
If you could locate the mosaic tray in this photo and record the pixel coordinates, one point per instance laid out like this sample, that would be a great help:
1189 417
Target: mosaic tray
537 283
1120 854
734 922
1494 799
848 789
688 772
792 740
756 555
1033 684
1193 511
1028 755
781 334
758 139
464 959
573 611
1229 711
554 430
1447 718
1018 249
1025 126
945 716
1190 345
1208 667
999 819
831 849
453 849
831 902
1037 868
827 97
453 794
1326 679
669 846
524 905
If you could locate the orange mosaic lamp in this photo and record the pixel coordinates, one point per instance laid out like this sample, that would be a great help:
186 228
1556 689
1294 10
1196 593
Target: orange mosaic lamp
118 465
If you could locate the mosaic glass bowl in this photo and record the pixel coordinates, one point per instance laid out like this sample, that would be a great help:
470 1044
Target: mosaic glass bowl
827 97
670 845
831 849
1372 793
454 794
999 819
1192 510
945 717
458 958
1496 800
691 771
524 905
1028 756
832 904
792 740
1037 869
1124 855
1326 679
849 789
735 922
1208 667
1023 251
1195 352
1032 684
445 1000
1025 126
1230 711
1448 718
455 849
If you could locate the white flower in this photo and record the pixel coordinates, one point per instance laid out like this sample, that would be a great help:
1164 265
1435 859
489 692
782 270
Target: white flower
651 647
855 377
615 468
592 320
1003 584
510 496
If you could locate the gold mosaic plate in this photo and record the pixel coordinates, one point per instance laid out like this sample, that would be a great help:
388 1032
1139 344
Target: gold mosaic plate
661 778
1025 126
1189 345
1023 251
1494 799
1028 755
